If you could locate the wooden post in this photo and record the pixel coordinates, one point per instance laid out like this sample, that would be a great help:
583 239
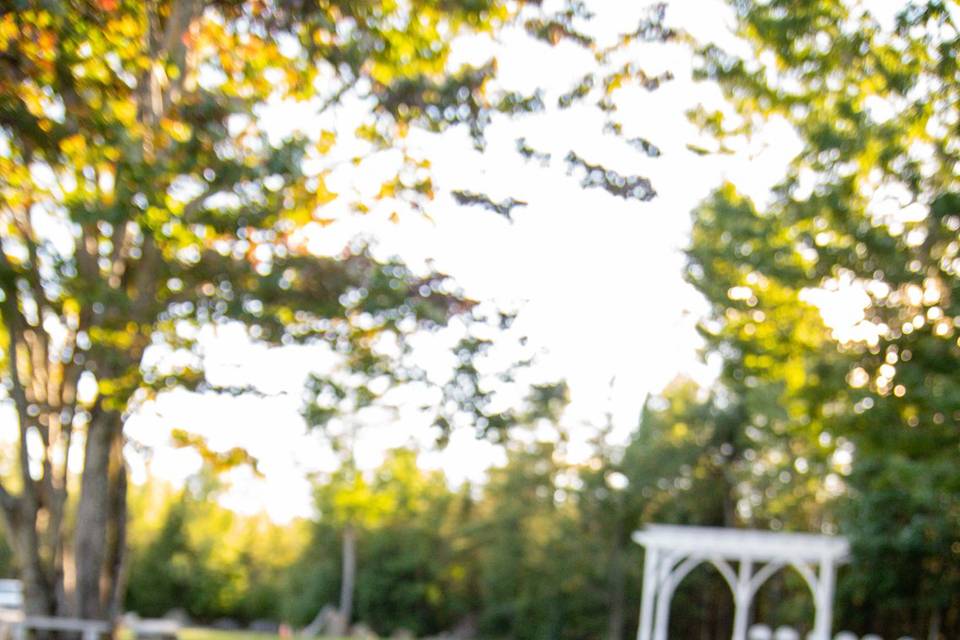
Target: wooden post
824 600
741 599
649 596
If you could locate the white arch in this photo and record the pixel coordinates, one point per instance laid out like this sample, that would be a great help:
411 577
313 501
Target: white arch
673 579
673 552
809 577
771 568
692 562
764 574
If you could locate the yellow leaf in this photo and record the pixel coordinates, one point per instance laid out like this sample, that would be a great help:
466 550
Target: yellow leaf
177 130
125 110
326 142
71 308
323 195
47 41
387 189
74 145
8 31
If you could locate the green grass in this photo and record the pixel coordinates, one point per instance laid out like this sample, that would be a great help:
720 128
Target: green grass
206 633
203 633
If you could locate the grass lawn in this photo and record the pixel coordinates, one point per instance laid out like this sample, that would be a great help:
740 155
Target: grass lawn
206 633
203 633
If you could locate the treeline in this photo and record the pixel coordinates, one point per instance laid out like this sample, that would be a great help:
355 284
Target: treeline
541 550
189 554
522 556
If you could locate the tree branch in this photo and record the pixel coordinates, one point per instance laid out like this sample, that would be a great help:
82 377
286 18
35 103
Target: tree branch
20 401
145 280
8 501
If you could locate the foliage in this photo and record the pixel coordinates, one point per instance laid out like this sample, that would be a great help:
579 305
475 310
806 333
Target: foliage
149 189
143 195
812 424
508 561
539 550
782 379
697 460
867 211
521 556
407 577
189 553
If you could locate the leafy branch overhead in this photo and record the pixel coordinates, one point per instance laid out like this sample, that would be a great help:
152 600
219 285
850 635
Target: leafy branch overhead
614 68
216 461
146 192
504 208
384 382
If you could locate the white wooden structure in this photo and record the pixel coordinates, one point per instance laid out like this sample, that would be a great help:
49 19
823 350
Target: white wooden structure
88 629
152 628
15 626
674 551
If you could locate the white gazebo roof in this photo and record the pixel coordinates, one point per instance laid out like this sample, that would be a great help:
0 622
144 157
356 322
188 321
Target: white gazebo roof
743 543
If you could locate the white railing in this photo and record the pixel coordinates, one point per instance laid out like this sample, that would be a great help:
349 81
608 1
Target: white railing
14 626
88 629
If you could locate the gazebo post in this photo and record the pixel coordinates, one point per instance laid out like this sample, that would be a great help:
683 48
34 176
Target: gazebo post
664 596
741 600
648 601
824 599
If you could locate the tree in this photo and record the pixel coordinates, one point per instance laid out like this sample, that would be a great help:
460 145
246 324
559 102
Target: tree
365 388
782 381
682 467
188 552
404 522
142 193
868 208
605 508
349 502
524 566
368 387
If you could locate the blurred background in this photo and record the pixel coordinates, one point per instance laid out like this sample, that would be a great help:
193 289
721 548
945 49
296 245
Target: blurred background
398 319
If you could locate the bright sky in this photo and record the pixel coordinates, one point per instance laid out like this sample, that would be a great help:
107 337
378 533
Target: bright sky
601 278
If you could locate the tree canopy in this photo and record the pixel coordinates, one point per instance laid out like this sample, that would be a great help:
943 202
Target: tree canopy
146 191
866 219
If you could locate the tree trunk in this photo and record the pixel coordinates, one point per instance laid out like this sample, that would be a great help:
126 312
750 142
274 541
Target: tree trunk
99 535
934 633
40 579
347 580
616 588
117 534
38 594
